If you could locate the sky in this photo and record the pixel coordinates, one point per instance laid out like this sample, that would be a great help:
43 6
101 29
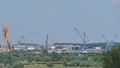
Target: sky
36 18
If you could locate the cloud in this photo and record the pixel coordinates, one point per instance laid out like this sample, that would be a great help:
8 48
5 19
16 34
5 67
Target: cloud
116 2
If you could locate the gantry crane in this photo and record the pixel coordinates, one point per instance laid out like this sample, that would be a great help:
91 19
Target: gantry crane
114 39
84 39
109 43
6 42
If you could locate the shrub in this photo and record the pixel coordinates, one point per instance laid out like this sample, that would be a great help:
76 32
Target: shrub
50 64
18 65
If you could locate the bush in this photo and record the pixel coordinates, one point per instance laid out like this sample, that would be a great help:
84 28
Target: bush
50 64
65 63
18 65
8 66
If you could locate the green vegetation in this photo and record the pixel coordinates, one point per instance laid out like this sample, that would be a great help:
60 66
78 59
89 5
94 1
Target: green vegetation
111 59
30 59
35 66
55 66
15 65
14 59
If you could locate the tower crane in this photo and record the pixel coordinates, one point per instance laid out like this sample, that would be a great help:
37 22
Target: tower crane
84 38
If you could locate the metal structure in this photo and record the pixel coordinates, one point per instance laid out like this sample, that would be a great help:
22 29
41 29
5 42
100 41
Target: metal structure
22 40
84 39
109 43
114 39
6 42
46 42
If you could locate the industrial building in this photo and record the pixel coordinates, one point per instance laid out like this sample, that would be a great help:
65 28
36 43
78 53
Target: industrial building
27 46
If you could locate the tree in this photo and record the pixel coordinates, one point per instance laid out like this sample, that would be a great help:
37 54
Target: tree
111 59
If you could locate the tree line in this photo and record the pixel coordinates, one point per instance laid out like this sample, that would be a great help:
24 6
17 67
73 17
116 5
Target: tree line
68 59
17 59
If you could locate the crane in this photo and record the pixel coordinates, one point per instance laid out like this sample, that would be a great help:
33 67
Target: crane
114 39
22 39
46 42
109 43
84 38
6 42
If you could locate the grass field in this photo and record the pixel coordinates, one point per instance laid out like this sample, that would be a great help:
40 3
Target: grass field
55 66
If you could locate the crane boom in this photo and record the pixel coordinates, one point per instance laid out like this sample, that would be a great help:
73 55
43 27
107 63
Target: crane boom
79 34
85 38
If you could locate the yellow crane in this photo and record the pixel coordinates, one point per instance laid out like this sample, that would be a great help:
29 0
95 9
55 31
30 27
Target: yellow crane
6 42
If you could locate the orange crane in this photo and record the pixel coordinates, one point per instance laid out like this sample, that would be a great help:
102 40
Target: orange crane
6 43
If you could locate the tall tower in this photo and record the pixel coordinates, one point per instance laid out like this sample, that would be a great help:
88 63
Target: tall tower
6 43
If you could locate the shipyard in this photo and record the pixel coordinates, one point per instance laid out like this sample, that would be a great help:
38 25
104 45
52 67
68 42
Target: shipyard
59 34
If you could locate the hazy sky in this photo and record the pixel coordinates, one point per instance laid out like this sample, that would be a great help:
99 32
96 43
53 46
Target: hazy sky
36 18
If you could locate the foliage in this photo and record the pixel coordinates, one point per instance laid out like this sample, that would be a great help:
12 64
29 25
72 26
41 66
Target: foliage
18 65
50 64
68 59
111 59
65 63
55 66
